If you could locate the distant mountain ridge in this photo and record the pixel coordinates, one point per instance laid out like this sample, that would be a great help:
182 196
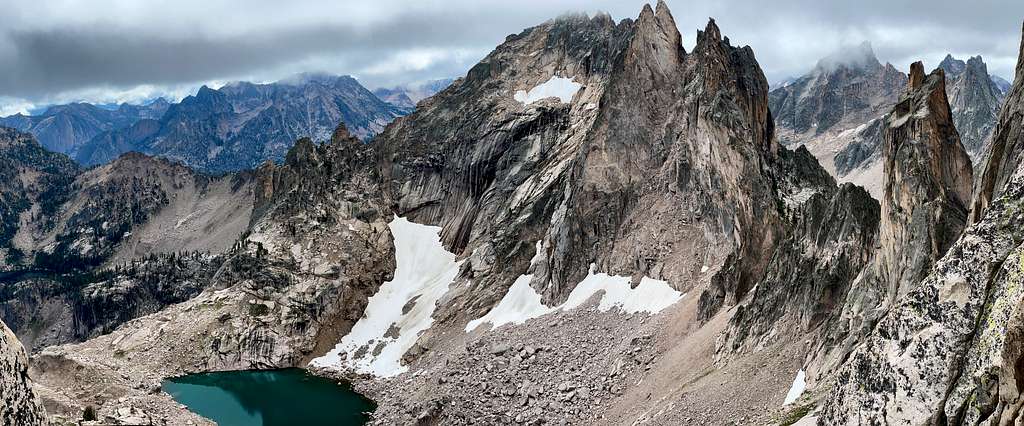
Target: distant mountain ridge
65 128
408 95
975 99
238 126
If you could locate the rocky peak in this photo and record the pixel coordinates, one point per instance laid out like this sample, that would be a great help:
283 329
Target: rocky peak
917 75
844 90
709 38
926 170
927 178
951 65
860 57
975 100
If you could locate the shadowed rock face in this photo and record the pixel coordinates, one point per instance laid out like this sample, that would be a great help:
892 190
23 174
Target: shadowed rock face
18 402
948 350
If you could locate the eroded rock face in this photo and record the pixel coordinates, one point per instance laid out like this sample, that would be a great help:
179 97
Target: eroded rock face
19 404
928 178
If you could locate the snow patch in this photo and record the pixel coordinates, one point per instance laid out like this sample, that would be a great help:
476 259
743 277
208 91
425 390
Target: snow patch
402 308
797 389
651 296
522 302
556 87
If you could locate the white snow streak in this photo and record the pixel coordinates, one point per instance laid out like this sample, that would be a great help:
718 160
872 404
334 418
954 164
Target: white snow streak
522 302
797 389
558 87
424 270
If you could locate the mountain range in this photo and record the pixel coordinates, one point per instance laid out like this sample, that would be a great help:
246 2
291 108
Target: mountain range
235 127
593 225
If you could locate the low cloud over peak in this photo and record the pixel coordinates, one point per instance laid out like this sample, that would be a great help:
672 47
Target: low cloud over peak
117 50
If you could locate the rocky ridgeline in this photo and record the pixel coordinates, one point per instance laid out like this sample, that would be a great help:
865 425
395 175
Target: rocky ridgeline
947 350
975 100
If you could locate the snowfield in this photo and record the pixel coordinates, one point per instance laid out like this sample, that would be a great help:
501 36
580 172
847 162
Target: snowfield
522 302
556 87
797 389
423 272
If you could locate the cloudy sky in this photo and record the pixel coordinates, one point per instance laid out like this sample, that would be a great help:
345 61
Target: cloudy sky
127 50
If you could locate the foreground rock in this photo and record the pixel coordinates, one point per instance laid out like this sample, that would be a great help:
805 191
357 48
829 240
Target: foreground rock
19 404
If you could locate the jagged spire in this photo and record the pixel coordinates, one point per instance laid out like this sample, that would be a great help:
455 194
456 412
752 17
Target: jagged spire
916 75
711 30
657 41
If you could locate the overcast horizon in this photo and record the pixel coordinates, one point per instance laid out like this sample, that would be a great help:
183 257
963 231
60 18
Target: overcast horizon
113 51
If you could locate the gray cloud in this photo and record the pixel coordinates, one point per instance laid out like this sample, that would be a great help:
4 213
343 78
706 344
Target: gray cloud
109 50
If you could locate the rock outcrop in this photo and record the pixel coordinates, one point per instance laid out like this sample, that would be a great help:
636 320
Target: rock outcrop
928 177
19 404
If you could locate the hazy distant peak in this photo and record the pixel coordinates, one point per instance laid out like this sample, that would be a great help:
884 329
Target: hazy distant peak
324 78
859 56
952 66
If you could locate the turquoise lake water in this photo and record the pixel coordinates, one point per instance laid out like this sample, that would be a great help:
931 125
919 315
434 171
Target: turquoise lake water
270 398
